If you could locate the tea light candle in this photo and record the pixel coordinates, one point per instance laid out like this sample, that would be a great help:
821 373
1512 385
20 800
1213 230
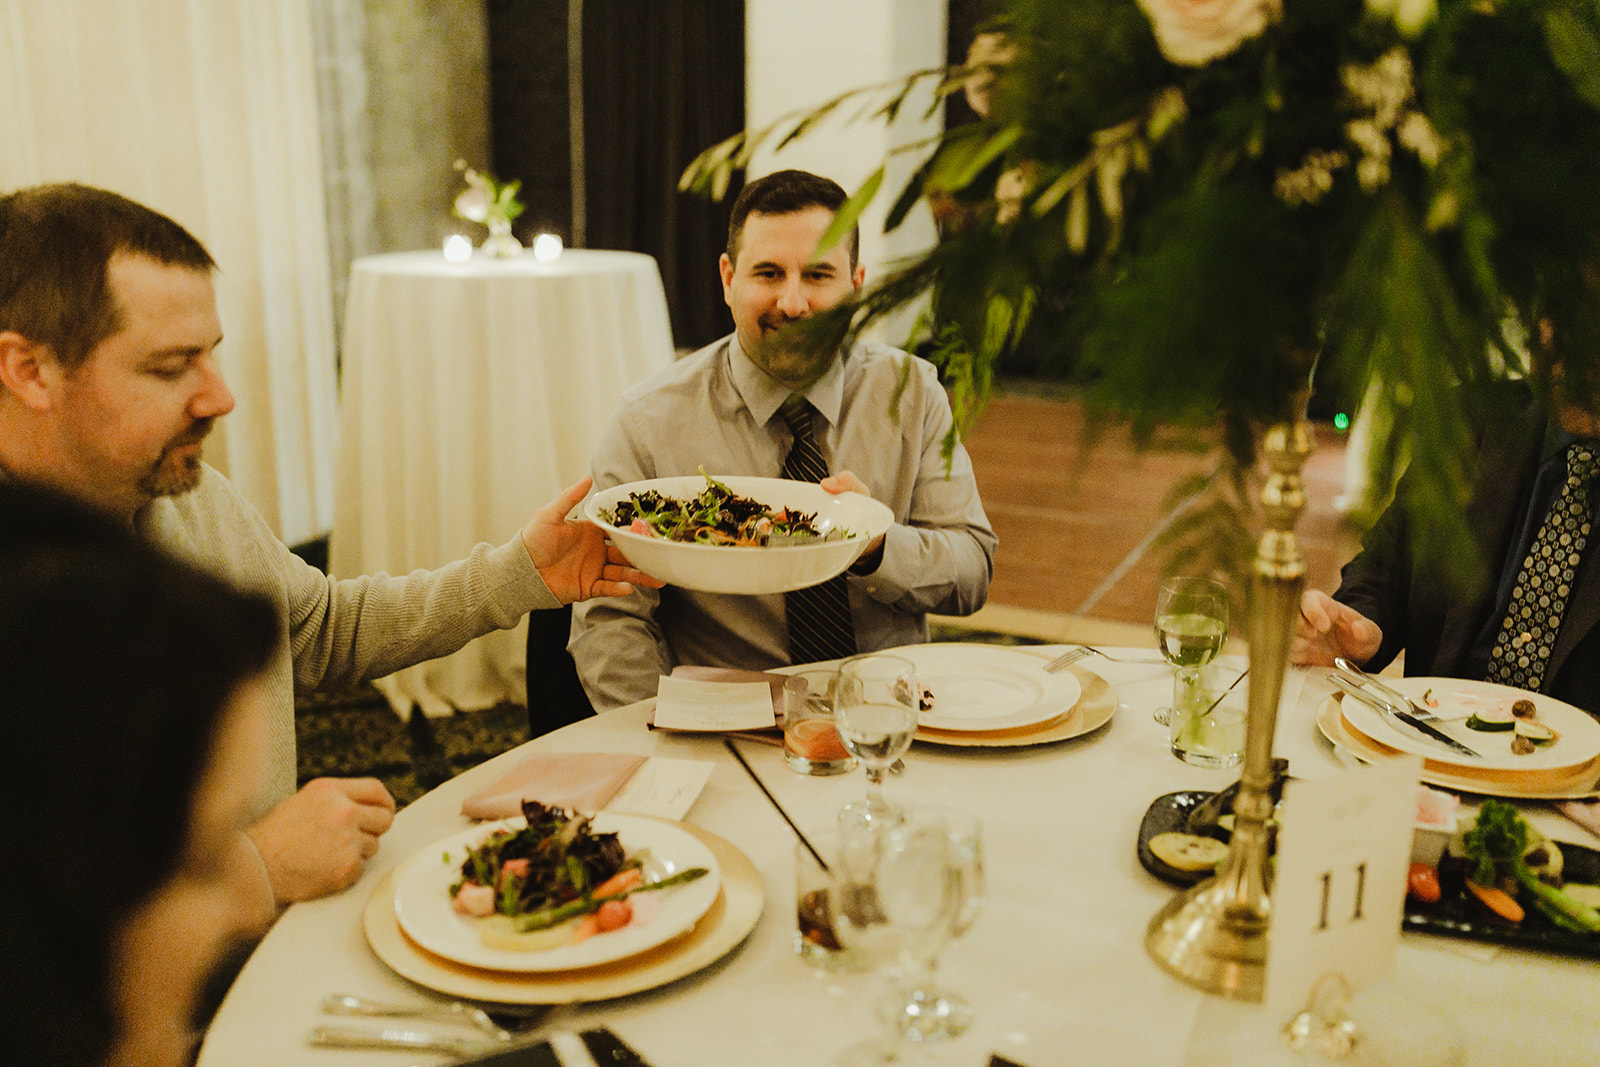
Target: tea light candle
546 246
457 249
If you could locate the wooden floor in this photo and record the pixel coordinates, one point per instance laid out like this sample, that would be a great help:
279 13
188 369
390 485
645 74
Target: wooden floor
1074 520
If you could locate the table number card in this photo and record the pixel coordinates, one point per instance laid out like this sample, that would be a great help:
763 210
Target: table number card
1344 845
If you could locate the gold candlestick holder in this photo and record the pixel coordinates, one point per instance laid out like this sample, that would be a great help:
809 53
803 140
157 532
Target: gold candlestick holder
1214 935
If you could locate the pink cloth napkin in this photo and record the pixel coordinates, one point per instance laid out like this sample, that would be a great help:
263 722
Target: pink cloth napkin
578 781
1586 813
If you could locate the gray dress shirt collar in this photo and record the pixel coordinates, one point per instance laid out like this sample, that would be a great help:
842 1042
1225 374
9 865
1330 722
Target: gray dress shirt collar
763 394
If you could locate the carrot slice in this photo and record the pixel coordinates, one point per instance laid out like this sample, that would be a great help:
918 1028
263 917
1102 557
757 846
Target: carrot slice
587 927
1498 901
624 879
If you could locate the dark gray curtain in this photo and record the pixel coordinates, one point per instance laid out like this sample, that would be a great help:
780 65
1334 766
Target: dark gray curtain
662 80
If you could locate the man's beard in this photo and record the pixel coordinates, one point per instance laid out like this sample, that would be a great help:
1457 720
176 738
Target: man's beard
169 476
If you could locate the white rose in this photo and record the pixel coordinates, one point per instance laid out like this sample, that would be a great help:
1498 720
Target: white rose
474 200
1410 16
1191 33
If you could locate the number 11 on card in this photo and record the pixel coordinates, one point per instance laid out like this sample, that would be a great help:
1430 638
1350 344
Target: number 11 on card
1327 895
1344 842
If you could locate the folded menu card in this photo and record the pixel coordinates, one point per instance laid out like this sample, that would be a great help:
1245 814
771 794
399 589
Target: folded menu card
592 781
699 699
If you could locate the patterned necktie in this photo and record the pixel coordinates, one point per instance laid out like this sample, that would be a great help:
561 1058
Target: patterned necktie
819 617
1533 617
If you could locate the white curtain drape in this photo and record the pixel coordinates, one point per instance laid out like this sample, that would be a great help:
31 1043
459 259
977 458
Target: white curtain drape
205 110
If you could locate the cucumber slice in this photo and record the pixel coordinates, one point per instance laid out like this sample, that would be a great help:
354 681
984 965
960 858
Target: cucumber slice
1490 726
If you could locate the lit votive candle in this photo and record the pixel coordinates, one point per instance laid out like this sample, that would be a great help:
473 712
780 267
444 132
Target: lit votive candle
546 246
457 249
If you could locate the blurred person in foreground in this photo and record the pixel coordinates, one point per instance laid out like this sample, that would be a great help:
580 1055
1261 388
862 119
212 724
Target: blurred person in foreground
109 384
874 421
1535 623
135 702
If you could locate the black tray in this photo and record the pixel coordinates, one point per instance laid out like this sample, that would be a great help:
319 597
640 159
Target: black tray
1169 814
1456 914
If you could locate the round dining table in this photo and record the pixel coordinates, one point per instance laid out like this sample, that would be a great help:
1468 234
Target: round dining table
1054 967
470 394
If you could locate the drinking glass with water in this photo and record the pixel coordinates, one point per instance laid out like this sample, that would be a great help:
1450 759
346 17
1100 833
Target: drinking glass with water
1191 624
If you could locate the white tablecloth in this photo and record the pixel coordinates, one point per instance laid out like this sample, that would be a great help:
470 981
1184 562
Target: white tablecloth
1055 965
471 394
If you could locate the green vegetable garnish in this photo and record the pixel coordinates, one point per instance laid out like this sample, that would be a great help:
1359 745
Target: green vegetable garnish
547 917
1496 844
1489 725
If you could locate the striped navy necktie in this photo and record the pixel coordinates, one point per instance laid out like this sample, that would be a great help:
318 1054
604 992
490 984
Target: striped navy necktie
820 627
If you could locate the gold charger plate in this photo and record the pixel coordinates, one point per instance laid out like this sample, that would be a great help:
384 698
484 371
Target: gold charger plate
1097 702
723 927
1517 785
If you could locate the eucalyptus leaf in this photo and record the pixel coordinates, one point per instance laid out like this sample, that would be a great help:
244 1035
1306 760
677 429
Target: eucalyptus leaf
849 212
1575 46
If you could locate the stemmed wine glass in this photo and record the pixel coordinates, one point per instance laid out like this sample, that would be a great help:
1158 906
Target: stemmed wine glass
875 703
1191 624
919 1007
896 897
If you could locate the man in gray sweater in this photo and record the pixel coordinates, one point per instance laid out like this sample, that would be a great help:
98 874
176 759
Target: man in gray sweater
108 386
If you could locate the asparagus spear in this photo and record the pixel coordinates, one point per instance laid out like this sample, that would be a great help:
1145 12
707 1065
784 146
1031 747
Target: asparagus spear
547 917
1497 842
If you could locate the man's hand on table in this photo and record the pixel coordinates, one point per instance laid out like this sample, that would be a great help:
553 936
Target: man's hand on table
318 841
847 482
1327 628
572 555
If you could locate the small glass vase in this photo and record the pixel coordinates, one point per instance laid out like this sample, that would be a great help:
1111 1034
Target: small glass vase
501 243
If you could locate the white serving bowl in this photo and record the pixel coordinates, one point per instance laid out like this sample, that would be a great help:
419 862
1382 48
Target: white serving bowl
745 570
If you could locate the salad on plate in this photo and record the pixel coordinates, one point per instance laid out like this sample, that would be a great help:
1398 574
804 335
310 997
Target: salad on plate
718 516
556 881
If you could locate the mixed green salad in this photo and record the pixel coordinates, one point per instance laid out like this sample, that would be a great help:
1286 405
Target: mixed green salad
555 868
718 516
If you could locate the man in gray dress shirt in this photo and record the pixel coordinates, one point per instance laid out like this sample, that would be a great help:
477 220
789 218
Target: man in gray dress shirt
109 383
880 420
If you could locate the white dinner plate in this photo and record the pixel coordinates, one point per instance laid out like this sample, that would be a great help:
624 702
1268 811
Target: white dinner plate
423 906
1456 698
987 687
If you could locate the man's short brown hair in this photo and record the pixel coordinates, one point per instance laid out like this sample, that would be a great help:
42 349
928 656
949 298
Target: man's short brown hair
785 192
56 242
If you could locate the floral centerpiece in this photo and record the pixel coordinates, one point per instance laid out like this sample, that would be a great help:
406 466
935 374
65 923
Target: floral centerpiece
1190 206
1193 207
492 203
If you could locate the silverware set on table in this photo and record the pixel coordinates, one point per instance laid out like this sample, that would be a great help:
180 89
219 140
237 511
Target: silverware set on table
490 1037
1396 705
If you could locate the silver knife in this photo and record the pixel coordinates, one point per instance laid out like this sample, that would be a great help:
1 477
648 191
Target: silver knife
395 1038
1392 695
1390 708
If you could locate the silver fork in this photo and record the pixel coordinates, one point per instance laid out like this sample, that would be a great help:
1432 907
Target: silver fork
1077 652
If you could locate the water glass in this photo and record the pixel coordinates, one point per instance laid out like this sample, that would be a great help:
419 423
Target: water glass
896 895
1191 624
814 939
875 703
811 742
1208 721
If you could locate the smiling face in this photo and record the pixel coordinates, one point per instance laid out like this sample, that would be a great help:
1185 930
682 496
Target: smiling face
127 425
775 281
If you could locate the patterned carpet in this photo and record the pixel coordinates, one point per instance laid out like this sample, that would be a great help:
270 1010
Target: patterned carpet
355 733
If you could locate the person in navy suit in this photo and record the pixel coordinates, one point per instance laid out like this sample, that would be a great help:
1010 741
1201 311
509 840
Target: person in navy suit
1390 598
